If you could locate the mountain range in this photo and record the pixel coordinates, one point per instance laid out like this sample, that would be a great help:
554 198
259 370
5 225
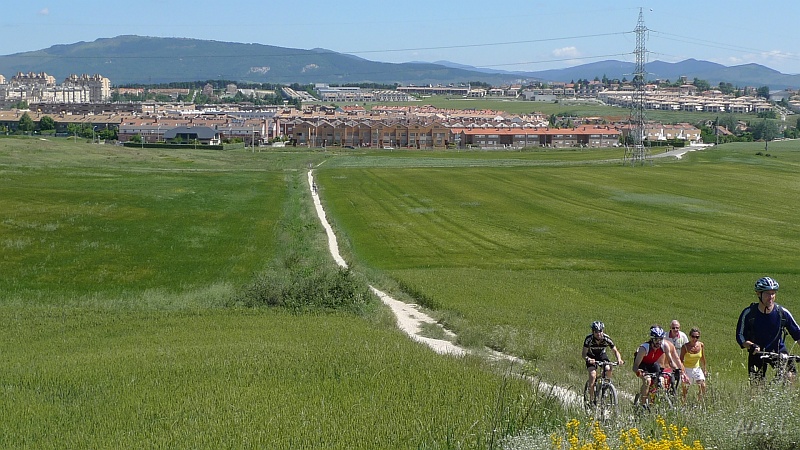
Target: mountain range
151 60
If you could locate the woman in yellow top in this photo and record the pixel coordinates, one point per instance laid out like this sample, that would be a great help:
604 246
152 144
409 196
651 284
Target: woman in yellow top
693 356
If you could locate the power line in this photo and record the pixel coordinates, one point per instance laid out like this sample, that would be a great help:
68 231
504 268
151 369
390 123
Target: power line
720 45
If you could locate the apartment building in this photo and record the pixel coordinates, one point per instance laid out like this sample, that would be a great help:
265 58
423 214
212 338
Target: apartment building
42 88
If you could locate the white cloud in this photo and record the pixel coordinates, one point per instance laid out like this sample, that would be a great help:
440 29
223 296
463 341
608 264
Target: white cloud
44 12
566 52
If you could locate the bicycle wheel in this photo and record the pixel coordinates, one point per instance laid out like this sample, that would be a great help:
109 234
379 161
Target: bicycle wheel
607 403
675 388
662 398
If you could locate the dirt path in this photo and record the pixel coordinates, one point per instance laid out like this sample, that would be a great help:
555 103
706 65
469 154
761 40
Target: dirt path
410 318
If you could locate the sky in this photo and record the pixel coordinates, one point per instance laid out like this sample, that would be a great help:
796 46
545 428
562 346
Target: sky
513 36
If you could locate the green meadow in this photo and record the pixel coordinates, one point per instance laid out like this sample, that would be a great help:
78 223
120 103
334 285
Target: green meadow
522 259
139 291
129 318
528 256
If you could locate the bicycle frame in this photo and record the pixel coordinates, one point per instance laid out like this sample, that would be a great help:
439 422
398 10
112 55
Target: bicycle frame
663 387
780 362
605 394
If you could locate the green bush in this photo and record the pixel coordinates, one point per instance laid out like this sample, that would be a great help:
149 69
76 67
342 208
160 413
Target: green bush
302 290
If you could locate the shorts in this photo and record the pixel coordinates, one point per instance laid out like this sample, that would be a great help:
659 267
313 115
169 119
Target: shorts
695 375
650 368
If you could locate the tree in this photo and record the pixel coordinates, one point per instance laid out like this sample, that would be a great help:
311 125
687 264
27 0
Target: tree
766 130
701 85
26 123
728 121
763 91
726 88
47 123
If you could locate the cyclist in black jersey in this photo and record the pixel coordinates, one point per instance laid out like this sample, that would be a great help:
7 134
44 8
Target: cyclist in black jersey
594 352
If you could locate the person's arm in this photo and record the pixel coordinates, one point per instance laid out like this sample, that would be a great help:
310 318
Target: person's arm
585 354
703 358
675 359
637 361
743 341
619 356
791 326
683 353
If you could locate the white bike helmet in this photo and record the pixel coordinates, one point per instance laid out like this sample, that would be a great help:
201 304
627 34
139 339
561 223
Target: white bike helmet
657 333
598 326
766 284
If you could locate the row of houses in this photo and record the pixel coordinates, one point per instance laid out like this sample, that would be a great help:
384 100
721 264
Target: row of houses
693 103
320 126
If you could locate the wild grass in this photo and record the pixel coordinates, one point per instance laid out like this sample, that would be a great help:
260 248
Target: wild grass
125 327
523 258
264 378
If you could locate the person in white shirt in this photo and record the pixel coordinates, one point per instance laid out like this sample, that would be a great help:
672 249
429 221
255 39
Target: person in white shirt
678 337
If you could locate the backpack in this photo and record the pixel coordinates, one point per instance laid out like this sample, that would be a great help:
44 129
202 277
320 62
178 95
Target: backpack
781 314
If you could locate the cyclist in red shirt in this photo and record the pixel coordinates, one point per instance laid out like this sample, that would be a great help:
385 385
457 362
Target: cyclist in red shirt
648 354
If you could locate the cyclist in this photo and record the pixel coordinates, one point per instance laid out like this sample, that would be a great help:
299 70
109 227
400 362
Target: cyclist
594 353
648 354
763 326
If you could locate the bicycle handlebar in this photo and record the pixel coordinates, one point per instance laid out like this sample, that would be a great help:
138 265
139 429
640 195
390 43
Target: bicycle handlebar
774 356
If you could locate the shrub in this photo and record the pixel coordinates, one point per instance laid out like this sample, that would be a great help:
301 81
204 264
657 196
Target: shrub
314 288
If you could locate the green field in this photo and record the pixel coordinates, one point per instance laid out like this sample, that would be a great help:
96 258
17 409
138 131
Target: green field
524 258
573 108
123 327
123 271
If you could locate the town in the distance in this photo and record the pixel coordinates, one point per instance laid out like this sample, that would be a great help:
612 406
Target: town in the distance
323 115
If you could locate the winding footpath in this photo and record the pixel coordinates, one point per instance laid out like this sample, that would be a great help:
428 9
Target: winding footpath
410 319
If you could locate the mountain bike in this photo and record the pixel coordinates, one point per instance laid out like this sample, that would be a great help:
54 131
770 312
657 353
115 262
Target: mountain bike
605 394
664 387
780 361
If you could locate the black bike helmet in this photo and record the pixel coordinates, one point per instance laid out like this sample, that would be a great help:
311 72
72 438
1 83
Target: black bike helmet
766 284
598 326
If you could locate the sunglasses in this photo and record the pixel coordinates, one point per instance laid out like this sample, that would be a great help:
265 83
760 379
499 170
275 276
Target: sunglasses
676 328
696 336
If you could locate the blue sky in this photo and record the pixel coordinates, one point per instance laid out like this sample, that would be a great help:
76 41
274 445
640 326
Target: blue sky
523 35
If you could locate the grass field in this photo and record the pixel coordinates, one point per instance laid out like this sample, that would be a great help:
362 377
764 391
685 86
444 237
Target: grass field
524 258
121 269
573 108
121 274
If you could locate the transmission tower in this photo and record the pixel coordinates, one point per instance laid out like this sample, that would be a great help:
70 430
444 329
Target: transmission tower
637 153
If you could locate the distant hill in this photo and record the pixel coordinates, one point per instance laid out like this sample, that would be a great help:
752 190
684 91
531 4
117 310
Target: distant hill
136 59
150 60
740 76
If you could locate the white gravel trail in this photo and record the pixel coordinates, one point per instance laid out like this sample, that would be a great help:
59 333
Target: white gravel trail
410 318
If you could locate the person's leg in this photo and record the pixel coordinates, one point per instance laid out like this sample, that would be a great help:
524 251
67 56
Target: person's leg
685 390
791 371
756 369
592 378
